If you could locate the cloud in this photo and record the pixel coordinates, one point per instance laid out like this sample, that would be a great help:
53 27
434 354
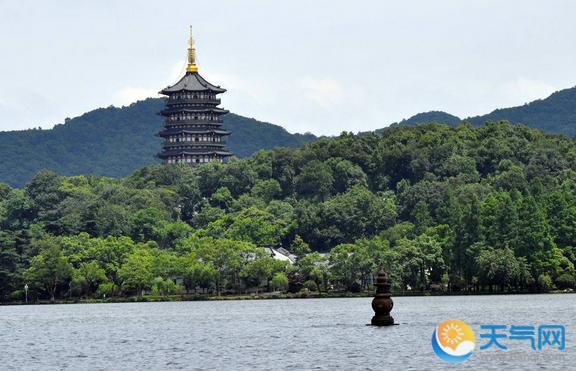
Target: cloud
176 72
522 90
323 92
130 95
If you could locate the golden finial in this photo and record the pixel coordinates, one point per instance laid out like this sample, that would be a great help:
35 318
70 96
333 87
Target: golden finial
192 67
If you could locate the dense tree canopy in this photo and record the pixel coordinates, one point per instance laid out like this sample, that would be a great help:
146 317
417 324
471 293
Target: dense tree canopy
115 141
441 208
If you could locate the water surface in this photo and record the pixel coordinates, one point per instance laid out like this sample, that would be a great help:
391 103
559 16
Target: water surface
322 334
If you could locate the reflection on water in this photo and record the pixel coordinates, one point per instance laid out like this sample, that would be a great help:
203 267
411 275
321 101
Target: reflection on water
271 334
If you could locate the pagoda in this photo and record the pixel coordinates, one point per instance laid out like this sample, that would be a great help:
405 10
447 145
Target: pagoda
192 129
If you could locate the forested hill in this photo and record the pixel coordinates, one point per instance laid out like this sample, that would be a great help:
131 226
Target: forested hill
431 116
451 208
555 114
116 141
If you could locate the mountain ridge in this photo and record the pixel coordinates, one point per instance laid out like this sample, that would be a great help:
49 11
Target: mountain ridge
554 114
115 141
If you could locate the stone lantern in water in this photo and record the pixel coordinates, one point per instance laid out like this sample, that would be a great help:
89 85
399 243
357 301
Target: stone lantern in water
382 302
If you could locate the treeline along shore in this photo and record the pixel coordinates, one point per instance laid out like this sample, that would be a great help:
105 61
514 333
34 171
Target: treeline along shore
442 209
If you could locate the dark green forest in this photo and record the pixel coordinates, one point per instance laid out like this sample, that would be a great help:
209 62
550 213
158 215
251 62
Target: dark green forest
555 114
428 117
448 209
116 141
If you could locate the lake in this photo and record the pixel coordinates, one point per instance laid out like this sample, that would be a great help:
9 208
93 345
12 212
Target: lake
296 334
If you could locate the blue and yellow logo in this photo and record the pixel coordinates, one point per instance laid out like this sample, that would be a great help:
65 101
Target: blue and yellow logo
453 341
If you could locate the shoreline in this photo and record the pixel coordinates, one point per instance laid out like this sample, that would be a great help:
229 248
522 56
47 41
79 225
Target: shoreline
264 296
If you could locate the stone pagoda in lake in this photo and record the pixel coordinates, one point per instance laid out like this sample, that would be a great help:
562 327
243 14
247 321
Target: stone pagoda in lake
192 129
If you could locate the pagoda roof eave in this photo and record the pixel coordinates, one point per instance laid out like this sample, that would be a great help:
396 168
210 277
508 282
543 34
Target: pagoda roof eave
166 133
186 152
192 81
192 110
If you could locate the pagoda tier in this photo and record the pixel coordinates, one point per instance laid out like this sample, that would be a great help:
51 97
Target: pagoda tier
183 132
192 129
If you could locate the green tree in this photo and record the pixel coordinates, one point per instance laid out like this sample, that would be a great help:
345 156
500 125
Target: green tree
316 179
256 226
90 276
314 267
261 271
49 269
9 264
280 281
348 175
149 224
351 266
136 271
499 267
267 190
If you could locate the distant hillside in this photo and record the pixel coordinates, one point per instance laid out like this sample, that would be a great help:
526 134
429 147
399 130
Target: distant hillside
116 141
428 117
555 114
431 116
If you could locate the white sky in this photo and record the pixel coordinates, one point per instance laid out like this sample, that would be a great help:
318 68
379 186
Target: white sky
322 66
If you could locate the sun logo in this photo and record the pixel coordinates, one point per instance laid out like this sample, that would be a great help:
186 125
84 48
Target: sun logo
453 341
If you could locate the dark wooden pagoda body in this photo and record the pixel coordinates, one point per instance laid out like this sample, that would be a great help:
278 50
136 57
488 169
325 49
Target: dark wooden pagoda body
192 130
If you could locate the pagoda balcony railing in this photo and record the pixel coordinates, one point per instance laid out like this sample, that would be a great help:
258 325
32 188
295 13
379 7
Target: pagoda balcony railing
214 101
193 142
193 121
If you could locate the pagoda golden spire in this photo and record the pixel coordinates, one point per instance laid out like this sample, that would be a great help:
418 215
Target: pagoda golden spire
192 67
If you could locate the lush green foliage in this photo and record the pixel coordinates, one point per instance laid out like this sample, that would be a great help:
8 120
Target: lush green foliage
116 141
431 116
555 114
441 208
